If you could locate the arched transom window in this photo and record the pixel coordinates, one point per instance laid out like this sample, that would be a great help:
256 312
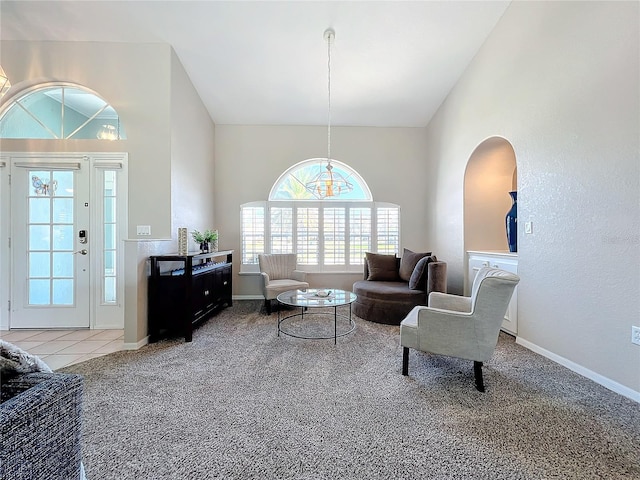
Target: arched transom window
60 111
330 234
292 184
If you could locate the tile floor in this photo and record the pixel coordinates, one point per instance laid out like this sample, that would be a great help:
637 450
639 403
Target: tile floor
59 348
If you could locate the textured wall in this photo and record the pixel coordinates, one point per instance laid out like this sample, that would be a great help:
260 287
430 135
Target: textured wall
560 81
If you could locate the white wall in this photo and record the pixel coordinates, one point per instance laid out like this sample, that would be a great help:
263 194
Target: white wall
249 159
191 192
192 156
559 80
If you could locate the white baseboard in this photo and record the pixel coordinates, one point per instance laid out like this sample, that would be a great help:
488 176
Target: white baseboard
139 344
579 369
248 297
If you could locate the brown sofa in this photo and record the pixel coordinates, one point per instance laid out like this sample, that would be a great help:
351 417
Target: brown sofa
392 287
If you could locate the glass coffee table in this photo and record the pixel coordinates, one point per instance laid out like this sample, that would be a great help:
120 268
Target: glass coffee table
310 302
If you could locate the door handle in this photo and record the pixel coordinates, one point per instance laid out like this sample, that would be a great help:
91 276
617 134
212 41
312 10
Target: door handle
81 252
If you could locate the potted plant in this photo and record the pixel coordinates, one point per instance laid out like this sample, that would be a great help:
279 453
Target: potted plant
201 240
208 240
211 237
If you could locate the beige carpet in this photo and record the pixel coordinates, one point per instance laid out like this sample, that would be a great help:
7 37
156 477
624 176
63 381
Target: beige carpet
239 402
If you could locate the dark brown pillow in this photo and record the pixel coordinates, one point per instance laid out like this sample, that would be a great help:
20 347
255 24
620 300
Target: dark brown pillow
418 278
382 267
408 263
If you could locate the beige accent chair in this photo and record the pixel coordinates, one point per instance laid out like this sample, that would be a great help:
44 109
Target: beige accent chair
280 274
463 327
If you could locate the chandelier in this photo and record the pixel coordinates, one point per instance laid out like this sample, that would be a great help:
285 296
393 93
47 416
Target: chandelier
328 183
5 84
108 132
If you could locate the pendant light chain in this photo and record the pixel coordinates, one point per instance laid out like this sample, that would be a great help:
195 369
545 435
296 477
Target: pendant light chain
329 39
327 183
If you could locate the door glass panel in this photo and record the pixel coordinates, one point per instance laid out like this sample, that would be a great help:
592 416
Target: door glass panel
39 210
63 264
51 237
39 265
63 291
63 237
110 235
41 183
109 210
110 289
39 237
62 210
39 292
109 262
64 183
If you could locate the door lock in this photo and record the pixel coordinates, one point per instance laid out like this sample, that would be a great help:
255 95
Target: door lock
82 236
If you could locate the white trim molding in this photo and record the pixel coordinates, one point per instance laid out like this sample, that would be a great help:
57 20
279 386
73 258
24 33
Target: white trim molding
137 345
579 369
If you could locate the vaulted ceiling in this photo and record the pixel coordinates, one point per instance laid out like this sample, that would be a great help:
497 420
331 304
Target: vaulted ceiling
265 63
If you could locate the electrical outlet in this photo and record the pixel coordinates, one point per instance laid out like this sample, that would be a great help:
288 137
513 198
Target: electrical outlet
635 335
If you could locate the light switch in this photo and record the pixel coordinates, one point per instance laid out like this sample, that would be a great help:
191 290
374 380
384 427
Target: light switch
528 227
143 229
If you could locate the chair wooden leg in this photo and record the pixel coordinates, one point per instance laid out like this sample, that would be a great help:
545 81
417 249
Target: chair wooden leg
267 303
405 360
477 370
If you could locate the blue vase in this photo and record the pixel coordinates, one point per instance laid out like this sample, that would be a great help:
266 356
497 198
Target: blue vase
511 221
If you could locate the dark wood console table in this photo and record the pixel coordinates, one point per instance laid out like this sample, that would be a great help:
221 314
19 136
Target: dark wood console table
185 290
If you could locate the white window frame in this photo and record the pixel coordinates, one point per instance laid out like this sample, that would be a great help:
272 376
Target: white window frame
350 265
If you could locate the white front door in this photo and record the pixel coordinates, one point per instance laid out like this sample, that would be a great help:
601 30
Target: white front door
66 243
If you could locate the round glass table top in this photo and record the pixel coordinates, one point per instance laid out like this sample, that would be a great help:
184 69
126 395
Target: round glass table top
317 297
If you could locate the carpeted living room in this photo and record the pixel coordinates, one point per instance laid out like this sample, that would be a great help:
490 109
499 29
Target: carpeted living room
467 139
241 402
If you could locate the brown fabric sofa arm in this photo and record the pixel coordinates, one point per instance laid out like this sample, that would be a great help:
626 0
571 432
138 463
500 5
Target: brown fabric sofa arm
437 277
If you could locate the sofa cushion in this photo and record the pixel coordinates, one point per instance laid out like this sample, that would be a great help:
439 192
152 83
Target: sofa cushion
408 263
382 267
420 272
383 290
385 302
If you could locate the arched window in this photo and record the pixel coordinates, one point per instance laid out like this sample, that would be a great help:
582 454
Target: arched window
329 235
292 184
60 111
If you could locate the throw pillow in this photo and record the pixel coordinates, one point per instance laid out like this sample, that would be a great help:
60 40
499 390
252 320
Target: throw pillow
382 267
408 263
419 276
9 368
21 361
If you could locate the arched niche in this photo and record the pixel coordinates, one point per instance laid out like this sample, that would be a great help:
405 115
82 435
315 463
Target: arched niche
490 175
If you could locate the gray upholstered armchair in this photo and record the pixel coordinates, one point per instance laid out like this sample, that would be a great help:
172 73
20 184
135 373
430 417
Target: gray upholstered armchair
463 327
280 274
